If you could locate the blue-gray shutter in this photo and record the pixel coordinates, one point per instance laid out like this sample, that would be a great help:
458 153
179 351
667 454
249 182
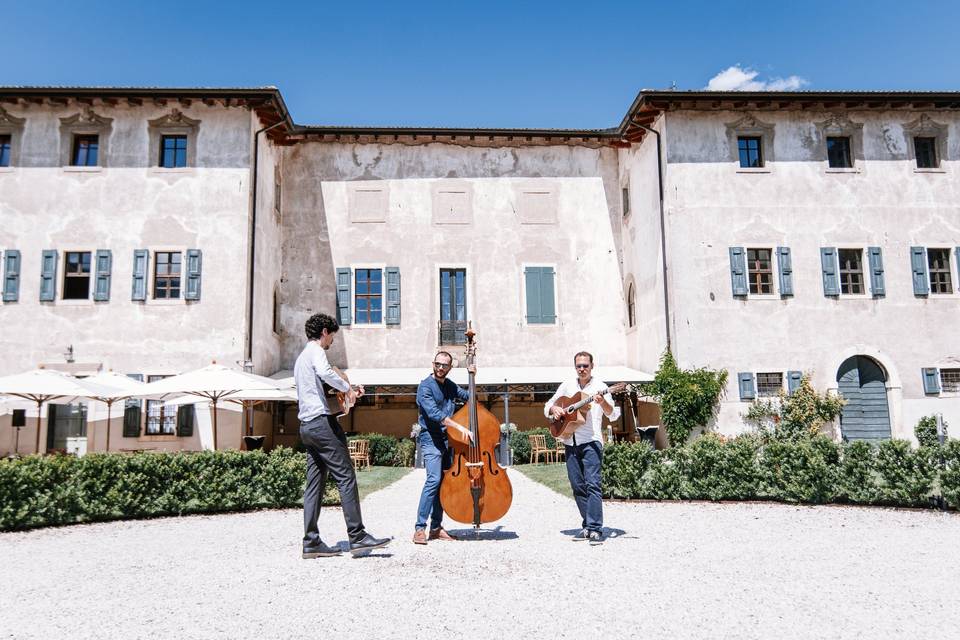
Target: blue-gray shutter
48 276
747 386
141 259
793 380
101 290
344 278
531 276
132 412
540 294
957 251
738 271
828 262
877 287
393 295
931 380
186 413
918 262
194 260
786 271
11 276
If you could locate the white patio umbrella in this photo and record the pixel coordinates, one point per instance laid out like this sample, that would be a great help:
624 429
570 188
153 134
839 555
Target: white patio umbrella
43 385
213 382
124 387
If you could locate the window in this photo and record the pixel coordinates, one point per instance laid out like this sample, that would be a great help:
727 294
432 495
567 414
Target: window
751 154
5 150
950 379
626 201
938 262
132 412
173 151
161 417
760 270
539 293
277 193
926 150
851 271
85 150
769 384
368 296
276 311
453 306
166 278
631 306
838 153
76 275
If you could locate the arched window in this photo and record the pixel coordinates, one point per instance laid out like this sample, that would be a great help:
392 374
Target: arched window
631 306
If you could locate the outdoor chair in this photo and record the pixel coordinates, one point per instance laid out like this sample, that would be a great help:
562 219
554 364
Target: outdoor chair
538 448
360 453
559 452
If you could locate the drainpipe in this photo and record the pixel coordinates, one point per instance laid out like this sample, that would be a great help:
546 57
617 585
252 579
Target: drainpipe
663 234
251 254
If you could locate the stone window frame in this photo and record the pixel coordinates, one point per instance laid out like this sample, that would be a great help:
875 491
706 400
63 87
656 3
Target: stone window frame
769 388
12 126
87 122
750 126
752 272
174 123
926 127
839 125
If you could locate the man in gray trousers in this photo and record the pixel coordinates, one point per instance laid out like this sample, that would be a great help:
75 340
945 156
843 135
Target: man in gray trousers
326 443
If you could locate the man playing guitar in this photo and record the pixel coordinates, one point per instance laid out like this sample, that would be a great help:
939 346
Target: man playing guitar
584 446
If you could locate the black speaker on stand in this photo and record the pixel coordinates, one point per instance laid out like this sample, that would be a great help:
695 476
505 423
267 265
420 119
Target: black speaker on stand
19 420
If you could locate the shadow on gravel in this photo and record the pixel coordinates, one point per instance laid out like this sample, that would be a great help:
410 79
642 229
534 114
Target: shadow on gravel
609 533
470 535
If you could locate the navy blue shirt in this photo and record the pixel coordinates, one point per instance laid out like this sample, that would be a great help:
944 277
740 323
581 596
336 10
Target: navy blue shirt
436 403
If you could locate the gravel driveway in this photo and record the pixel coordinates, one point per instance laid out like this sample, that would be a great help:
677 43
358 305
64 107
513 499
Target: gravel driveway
684 570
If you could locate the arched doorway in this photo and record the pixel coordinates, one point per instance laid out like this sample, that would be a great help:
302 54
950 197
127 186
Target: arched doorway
863 383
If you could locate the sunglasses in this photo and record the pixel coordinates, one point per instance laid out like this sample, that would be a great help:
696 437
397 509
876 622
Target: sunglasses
442 365
583 366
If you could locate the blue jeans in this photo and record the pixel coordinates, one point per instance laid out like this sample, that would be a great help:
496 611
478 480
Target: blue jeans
583 470
435 456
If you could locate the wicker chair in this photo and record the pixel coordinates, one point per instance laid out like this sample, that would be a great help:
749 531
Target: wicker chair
360 453
538 448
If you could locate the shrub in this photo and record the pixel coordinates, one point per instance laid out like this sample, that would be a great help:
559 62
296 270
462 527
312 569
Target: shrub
687 398
405 453
906 476
801 471
857 478
719 470
383 449
950 474
664 477
926 431
623 469
798 415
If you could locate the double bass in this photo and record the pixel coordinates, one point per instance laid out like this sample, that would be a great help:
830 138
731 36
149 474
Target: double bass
475 489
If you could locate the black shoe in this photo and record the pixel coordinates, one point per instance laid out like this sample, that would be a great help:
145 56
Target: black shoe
368 543
320 551
596 537
583 535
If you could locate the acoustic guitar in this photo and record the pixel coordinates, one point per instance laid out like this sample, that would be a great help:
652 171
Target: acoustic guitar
344 399
575 410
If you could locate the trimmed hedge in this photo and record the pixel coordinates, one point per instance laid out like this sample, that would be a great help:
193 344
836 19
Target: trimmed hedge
815 470
50 490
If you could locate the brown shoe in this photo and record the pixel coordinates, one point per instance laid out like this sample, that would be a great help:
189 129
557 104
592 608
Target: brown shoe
441 534
420 536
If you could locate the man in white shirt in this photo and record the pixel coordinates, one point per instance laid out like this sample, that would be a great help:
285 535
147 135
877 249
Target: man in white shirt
584 447
325 443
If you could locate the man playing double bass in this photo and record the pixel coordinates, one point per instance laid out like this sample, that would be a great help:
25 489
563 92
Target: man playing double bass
584 447
436 398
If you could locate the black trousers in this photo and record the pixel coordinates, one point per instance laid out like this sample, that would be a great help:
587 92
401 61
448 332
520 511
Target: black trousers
327 452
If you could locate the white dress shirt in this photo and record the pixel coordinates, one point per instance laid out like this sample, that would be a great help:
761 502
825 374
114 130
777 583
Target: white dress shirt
310 372
591 429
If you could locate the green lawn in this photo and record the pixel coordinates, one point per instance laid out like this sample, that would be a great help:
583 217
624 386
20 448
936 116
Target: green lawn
376 478
553 476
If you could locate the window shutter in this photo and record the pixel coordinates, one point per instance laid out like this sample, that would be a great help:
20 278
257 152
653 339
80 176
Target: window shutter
186 414
747 386
738 271
957 251
194 260
931 380
918 262
141 258
828 262
393 295
531 276
104 263
344 278
48 276
132 414
793 381
877 287
786 271
548 311
11 276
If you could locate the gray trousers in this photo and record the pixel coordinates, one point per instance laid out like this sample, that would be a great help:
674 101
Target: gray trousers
327 452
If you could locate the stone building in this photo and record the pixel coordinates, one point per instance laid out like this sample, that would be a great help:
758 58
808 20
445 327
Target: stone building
150 231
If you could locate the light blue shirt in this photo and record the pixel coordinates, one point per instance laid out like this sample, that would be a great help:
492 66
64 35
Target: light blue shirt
309 373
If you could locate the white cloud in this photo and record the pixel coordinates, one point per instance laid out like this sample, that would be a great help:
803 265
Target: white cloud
737 78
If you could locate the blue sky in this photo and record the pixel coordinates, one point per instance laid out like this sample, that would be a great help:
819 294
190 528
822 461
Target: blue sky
489 64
